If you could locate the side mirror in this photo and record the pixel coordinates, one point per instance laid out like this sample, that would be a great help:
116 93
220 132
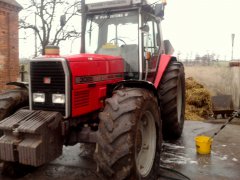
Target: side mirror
159 10
168 47
63 20
145 28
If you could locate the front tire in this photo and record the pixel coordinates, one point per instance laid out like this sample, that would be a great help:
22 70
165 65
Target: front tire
11 101
171 93
129 136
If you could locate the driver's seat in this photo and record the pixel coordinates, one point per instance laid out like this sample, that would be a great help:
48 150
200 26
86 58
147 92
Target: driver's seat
109 50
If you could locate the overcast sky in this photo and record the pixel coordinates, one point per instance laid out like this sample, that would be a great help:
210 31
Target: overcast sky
195 26
201 26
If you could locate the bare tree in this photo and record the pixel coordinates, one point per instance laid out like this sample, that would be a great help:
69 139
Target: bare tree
52 20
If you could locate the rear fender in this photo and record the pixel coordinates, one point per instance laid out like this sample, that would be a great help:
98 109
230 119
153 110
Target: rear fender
163 63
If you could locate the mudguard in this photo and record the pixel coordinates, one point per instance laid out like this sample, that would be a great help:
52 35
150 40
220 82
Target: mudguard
164 61
19 84
31 137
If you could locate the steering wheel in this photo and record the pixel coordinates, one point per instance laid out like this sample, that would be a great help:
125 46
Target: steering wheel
117 39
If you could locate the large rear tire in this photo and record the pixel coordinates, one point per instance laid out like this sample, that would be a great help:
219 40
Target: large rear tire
11 101
129 136
171 92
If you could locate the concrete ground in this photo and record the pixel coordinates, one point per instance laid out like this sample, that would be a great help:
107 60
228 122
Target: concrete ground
223 162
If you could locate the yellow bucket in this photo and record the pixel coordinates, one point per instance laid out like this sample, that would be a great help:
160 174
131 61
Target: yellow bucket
203 144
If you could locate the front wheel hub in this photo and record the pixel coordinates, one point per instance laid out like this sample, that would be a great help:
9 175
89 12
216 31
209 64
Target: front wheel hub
146 148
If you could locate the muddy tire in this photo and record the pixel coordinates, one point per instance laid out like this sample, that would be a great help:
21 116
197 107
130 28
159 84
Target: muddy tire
171 92
129 136
11 101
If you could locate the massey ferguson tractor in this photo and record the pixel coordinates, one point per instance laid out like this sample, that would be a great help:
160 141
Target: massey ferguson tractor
125 92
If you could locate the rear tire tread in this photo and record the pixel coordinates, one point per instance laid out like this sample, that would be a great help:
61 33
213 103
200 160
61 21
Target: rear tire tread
168 95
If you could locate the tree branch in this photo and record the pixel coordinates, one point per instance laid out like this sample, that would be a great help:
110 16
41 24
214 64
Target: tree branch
46 12
34 28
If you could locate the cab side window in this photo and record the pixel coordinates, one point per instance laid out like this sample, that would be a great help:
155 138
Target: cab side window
151 42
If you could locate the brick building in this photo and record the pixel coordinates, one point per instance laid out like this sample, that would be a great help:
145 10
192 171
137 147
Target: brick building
9 60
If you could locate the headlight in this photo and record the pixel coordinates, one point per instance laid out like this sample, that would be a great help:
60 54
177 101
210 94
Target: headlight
39 97
58 98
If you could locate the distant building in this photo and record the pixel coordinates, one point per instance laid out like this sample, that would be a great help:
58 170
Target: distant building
9 60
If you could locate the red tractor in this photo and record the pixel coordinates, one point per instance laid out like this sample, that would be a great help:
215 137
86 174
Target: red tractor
124 92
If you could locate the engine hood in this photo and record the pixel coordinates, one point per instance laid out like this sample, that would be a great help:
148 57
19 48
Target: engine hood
94 64
91 57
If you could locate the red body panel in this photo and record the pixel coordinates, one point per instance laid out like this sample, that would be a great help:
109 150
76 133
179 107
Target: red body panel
91 74
164 61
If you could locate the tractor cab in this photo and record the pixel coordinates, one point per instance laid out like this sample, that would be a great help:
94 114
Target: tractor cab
126 28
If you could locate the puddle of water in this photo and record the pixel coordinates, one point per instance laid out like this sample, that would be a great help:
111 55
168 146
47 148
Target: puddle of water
223 158
173 146
235 159
175 155
193 162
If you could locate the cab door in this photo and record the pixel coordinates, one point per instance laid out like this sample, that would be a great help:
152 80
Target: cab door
151 47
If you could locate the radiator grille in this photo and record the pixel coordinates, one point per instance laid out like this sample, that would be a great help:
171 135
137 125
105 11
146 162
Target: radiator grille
48 69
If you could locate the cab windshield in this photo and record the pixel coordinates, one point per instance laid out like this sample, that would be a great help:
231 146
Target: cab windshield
114 34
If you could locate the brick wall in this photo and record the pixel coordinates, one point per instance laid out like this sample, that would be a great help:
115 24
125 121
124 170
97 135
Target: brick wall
9 61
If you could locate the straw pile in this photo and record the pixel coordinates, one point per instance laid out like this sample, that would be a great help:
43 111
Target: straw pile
198 101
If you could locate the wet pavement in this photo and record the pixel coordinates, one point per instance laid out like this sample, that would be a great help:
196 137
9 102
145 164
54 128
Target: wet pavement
222 163
180 155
